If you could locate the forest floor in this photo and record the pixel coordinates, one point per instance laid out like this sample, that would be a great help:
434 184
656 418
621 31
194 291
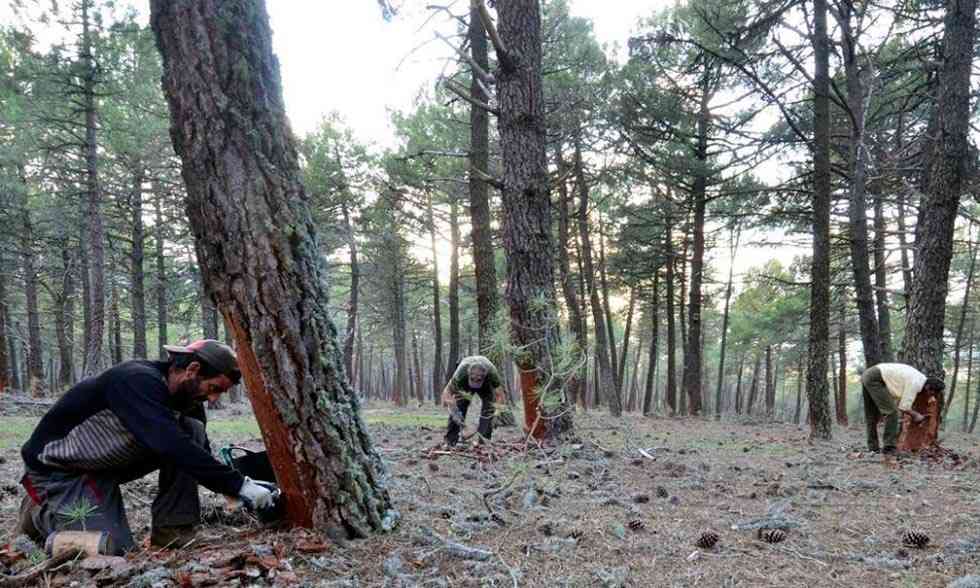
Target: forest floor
622 504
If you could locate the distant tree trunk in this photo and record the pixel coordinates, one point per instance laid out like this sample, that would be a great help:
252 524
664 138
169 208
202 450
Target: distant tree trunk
652 357
735 235
607 314
881 283
64 315
116 343
857 203
4 340
576 322
438 369
626 336
13 329
35 383
969 377
483 257
799 390
417 365
671 393
817 390
754 386
161 277
454 342
258 251
137 289
355 289
960 325
842 372
96 232
949 168
605 384
770 384
526 225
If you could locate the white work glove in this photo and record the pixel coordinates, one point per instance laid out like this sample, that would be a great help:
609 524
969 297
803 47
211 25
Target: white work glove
256 494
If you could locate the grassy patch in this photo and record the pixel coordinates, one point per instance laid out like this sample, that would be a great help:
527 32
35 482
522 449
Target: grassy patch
406 420
14 431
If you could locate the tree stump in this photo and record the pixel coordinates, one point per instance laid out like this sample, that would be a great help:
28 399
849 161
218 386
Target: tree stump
915 437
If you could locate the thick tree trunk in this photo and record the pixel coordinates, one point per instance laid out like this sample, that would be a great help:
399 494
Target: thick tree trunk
652 357
817 389
438 369
949 167
161 277
96 232
137 288
481 232
355 290
605 383
258 251
526 225
454 342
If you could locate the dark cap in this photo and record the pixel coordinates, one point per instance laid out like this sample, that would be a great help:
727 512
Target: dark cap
216 354
934 383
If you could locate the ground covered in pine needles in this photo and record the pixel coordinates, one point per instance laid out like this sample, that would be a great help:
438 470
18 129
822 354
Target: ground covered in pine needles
627 502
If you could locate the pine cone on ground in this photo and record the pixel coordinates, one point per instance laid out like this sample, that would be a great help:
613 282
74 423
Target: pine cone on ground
636 525
772 535
914 538
707 540
662 492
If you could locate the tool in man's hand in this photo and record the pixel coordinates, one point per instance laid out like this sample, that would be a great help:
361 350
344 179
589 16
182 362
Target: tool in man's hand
255 465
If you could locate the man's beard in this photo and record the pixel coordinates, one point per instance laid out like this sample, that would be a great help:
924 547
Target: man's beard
189 393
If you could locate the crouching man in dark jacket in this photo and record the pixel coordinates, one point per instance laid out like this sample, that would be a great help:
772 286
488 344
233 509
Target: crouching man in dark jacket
126 422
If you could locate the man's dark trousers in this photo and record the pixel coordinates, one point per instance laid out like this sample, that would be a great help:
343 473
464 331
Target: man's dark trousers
485 428
92 501
878 402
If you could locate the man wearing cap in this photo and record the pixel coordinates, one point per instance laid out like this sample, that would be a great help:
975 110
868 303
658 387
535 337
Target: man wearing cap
120 425
889 389
474 375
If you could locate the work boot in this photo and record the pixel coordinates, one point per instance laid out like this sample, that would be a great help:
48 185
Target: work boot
25 520
173 537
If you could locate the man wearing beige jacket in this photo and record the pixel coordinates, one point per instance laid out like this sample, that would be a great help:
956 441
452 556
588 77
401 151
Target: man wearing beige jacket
888 390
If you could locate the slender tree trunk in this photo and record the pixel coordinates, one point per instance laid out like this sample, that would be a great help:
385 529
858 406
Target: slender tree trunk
96 232
4 339
137 288
115 322
770 384
799 391
842 371
671 393
881 283
652 357
355 290
735 235
857 203
607 314
576 384
969 377
438 369
161 277
454 342
259 254
754 386
626 336
12 336
948 167
738 385
605 384
483 257
960 326
817 389
65 315
417 365
34 361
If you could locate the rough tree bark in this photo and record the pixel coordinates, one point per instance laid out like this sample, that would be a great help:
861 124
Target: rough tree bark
258 250
481 232
948 170
95 237
526 225
817 388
